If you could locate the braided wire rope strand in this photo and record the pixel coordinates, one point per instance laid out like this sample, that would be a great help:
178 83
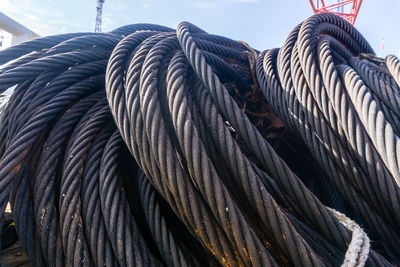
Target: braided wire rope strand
214 193
393 65
384 88
179 119
376 125
177 249
32 131
127 240
28 121
38 44
283 171
318 125
210 234
46 191
188 200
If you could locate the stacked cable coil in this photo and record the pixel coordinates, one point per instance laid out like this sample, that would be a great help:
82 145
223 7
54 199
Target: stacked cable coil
148 146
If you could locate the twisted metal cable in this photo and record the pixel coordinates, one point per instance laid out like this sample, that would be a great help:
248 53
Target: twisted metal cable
148 146
308 90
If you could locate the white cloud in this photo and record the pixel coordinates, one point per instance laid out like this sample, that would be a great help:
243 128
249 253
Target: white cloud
42 21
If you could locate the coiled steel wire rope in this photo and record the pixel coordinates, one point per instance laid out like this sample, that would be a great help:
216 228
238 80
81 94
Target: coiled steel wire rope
310 93
149 146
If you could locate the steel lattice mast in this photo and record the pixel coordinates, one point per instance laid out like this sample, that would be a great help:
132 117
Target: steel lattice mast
351 6
97 27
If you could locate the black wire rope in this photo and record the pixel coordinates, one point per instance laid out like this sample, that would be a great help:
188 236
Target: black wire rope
146 146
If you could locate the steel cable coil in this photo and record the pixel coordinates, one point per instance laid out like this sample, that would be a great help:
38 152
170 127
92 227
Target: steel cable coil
148 146
312 86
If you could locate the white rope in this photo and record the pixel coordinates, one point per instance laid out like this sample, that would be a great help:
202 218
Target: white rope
358 250
3 101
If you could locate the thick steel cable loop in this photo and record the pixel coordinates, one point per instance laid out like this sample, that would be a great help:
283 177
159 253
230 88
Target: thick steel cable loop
380 132
128 29
382 88
324 132
177 249
139 60
284 72
28 117
176 186
115 82
34 98
266 76
357 137
98 41
385 90
25 218
178 107
5 116
236 160
283 175
46 190
22 60
92 218
372 188
284 54
15 52
120 222
393 65
306 44
74 239
205 181
303 128
50 63
63 101
174 98
24 140
376 256
33 162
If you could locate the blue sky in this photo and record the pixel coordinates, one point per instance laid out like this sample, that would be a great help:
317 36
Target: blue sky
261 23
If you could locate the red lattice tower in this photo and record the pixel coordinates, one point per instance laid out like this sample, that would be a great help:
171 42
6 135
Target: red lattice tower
347 9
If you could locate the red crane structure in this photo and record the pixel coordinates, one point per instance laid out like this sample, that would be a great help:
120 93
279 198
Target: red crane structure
347 9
